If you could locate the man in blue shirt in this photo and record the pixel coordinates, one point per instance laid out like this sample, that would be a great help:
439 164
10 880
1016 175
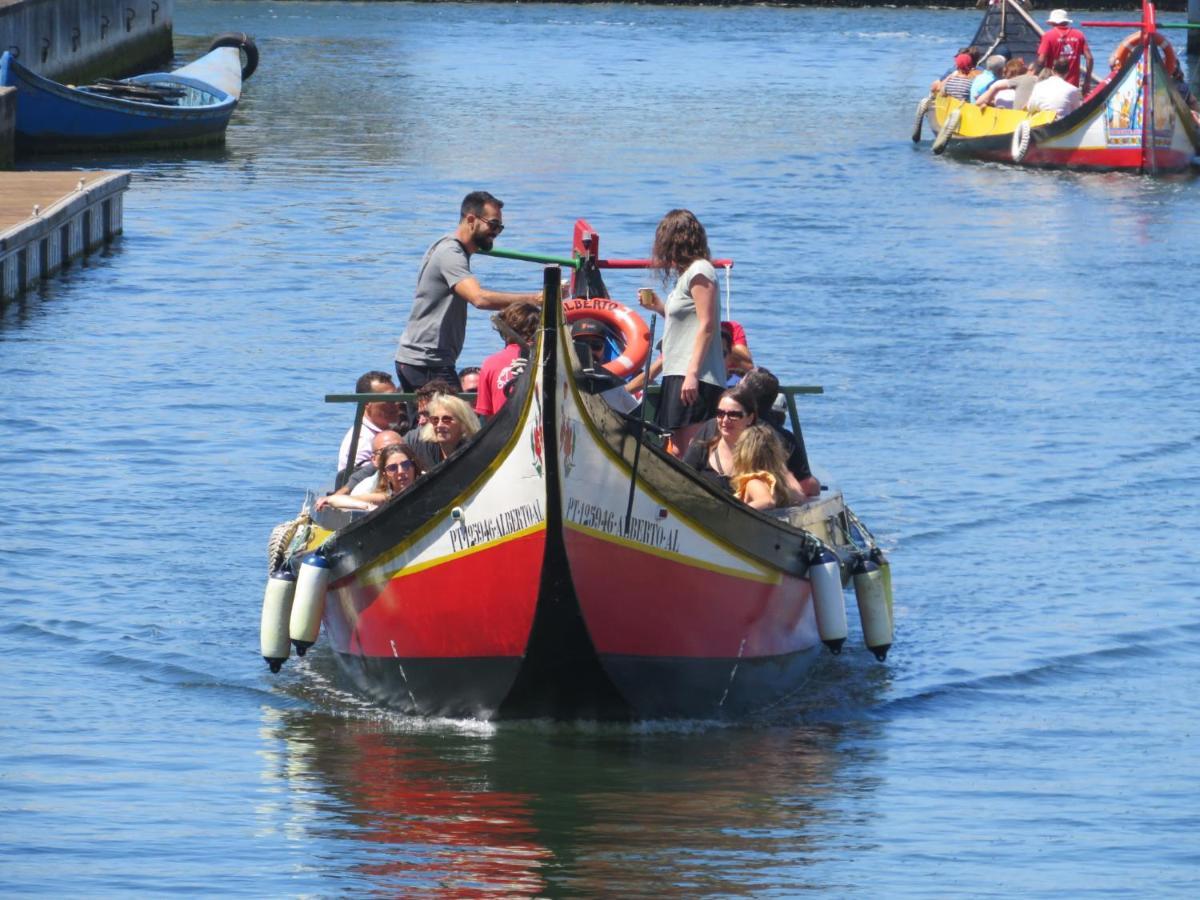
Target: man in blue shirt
992 70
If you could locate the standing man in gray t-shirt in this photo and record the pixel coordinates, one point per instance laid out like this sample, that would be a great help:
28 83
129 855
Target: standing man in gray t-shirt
437 325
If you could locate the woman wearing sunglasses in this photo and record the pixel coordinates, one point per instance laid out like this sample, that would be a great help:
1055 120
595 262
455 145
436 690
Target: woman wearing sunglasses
398 468
453 423
713 458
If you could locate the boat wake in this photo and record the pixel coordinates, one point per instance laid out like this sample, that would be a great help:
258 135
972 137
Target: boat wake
1101 662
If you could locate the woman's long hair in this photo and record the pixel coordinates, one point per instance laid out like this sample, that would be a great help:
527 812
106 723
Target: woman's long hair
679 241
759 450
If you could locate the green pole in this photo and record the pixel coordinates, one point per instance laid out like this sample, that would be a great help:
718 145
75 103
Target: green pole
544 259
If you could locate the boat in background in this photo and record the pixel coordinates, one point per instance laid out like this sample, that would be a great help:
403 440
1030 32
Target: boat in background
563 565
188 107
1136 120
1008 29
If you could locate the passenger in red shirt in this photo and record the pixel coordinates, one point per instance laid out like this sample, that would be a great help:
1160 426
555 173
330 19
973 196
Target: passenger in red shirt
520 320
1064 42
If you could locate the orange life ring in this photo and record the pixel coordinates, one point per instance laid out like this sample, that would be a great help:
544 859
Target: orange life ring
629 325
1125 48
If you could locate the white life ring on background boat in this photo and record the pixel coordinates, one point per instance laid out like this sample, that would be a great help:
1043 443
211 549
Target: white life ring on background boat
635 334
922 108
948 128
1120 56
1020 140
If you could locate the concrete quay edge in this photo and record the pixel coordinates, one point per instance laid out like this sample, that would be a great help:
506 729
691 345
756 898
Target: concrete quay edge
72 223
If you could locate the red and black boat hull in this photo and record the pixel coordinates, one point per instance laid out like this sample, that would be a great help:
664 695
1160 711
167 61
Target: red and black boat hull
519 579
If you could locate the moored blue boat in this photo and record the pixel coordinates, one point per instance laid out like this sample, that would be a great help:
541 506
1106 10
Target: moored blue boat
188 107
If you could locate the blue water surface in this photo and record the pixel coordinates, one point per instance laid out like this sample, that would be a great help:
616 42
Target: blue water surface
1010 366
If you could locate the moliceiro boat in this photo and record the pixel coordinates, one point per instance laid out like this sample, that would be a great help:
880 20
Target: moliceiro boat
1136 120
190 106
563 565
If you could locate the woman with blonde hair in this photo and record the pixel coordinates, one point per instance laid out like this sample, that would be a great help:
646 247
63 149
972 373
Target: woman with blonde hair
453 423
759 476
693 365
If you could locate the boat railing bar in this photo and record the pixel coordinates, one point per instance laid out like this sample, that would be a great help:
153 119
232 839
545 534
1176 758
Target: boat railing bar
567 261
576 262
649 263
1157 25
790 391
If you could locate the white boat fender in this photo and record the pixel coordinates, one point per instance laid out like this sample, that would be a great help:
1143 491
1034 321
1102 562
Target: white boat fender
829 601
873 607
886 568
276 616
947 132
922 109
1020 140
309 604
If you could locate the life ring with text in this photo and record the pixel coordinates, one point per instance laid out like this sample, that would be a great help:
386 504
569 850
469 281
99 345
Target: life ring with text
1125 48
632 329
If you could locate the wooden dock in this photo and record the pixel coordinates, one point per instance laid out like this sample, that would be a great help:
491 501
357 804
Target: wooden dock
49 218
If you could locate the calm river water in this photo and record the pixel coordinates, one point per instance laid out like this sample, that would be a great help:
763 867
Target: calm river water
1010 365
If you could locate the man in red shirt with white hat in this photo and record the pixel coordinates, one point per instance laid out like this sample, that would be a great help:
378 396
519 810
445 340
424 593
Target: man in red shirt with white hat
1064 42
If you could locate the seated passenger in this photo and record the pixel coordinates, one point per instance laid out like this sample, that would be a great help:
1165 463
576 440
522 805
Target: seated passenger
761 388
398 469
370 470
738 358
973 52
759 476
713 456
377 417
468 379
418 428
518 324
1012 90
589 335
993 69
1055 93
958 84
453 424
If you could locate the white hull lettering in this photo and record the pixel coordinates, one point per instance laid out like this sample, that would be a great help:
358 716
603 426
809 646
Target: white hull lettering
642 531
469 533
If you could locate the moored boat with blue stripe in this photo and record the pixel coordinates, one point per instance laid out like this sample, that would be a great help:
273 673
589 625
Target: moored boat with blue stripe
188 107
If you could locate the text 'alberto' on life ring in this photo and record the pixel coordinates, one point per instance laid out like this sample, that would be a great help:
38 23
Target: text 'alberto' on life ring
632 328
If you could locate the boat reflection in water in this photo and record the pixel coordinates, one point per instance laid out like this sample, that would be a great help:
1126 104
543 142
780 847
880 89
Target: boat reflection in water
467 808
